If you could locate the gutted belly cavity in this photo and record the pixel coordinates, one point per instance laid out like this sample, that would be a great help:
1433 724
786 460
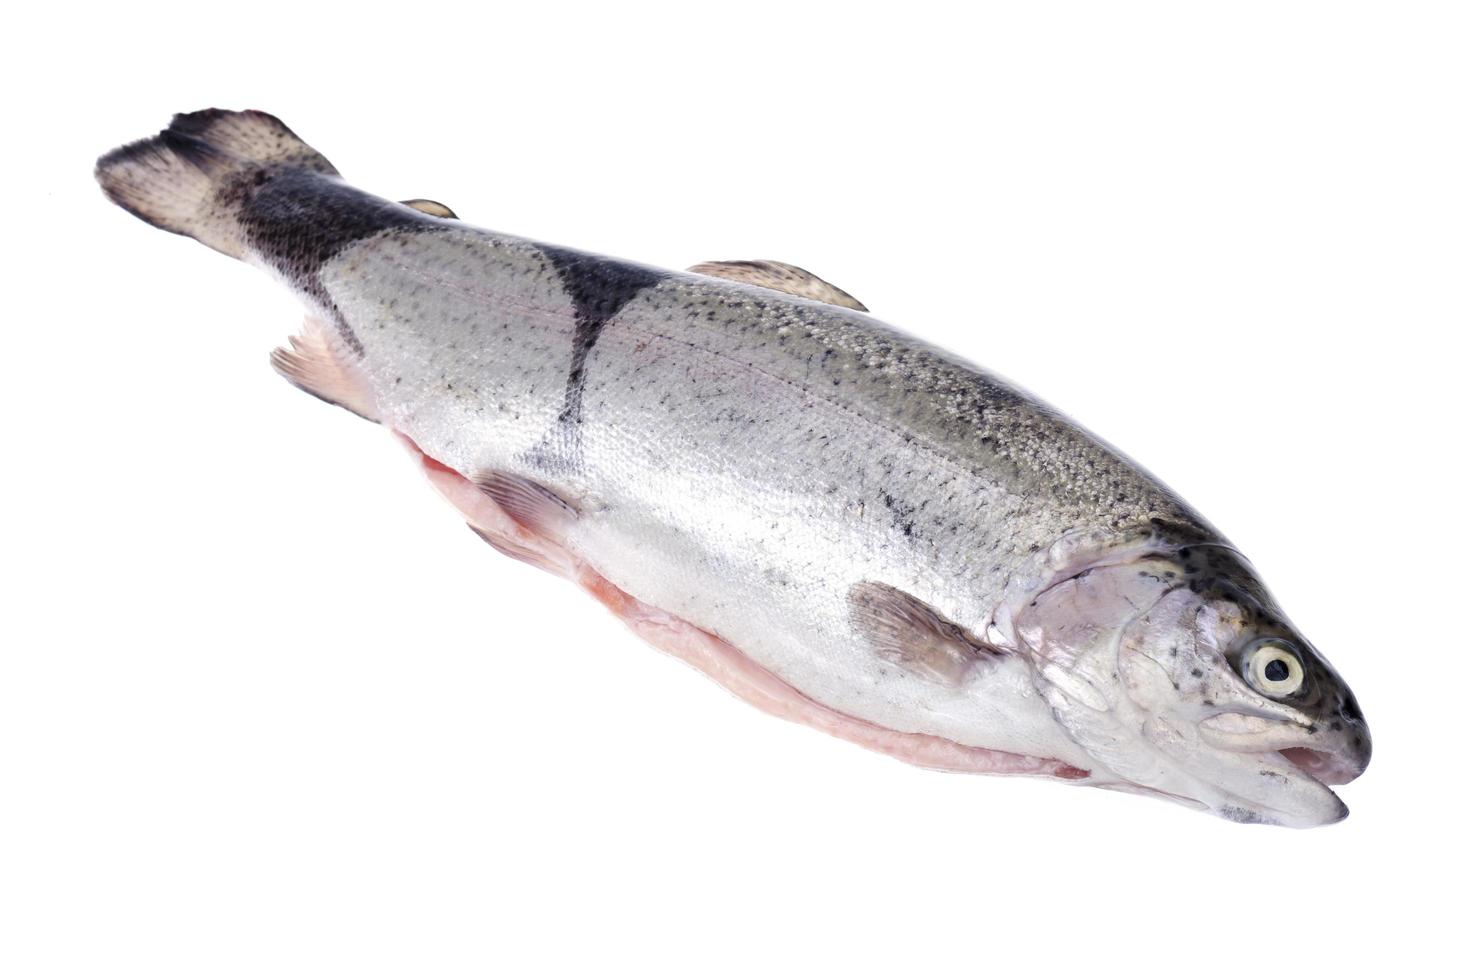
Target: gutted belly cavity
525 522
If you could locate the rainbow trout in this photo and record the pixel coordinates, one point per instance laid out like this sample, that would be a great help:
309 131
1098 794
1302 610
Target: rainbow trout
839 523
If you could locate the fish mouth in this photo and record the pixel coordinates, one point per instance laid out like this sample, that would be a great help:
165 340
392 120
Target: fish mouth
1292 753
1326 768
1330 756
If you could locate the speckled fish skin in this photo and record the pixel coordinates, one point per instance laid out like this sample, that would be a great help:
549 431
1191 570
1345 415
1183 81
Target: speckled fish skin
899 538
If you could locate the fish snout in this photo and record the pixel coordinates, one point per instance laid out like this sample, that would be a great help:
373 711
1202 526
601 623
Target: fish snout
1340 750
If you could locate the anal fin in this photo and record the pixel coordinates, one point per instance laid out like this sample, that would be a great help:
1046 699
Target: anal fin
309 364
781 277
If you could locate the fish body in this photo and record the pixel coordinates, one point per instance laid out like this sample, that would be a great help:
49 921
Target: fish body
842 524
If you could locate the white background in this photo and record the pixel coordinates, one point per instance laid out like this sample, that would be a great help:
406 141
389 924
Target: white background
268 709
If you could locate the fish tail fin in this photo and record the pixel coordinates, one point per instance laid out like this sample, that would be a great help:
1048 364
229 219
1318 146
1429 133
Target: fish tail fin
187 178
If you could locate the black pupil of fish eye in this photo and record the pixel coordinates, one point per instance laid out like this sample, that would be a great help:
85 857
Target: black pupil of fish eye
1277 670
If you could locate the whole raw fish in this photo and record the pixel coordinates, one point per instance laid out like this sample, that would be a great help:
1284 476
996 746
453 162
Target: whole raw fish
839 523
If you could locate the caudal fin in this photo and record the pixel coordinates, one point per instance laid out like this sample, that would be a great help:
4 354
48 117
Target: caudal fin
186 178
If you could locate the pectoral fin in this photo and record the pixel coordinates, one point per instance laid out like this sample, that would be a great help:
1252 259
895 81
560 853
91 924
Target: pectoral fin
781 277
906 632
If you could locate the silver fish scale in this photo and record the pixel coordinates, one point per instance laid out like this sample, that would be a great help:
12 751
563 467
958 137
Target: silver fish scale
742 459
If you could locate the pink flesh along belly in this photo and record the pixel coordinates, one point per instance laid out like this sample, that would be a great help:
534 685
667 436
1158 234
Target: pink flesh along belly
710 654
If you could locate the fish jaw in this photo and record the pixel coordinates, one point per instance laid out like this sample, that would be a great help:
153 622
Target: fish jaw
1248 785
1166 756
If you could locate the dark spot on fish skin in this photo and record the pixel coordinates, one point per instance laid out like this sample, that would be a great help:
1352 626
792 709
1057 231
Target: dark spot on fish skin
1239 814
900 514
1197 672
1215 570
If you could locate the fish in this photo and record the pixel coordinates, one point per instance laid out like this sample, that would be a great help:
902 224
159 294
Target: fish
840 523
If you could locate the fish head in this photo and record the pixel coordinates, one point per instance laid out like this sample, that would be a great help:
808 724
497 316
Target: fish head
1179 674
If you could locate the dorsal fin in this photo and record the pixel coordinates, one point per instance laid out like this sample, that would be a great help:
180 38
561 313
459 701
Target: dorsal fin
781 277
433 208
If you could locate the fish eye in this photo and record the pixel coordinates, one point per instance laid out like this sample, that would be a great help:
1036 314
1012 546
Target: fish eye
1274 670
